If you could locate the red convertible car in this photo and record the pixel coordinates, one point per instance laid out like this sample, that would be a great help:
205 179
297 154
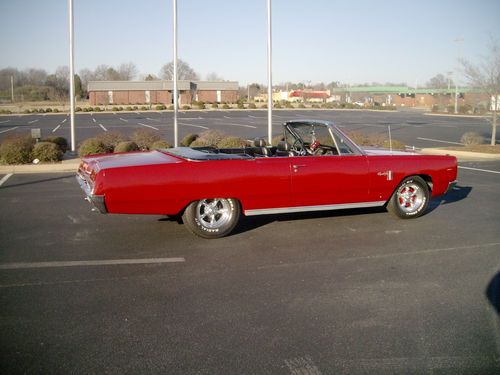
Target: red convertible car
315 167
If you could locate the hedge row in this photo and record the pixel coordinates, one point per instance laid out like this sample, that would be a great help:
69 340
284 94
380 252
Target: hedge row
23 149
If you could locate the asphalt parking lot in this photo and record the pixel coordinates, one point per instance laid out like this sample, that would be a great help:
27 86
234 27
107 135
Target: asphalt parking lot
414 128
354 292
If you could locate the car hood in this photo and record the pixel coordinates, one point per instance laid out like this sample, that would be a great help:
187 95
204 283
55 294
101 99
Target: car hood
384 151
130 159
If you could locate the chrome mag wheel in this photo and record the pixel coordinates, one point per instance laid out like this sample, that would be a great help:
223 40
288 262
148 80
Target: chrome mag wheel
410 197
213 213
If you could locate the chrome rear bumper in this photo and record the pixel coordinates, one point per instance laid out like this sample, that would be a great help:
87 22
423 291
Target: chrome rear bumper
97 201
451 185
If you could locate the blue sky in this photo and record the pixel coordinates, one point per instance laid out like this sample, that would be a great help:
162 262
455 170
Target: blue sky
316 40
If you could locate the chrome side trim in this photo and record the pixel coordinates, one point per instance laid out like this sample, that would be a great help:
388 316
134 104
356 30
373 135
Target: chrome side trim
327 207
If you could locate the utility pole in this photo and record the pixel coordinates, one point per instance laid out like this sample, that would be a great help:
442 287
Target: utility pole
12 88
269 75
176 131
71 77
458 41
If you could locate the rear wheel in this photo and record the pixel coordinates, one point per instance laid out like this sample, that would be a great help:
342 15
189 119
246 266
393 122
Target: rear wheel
410 199
212 218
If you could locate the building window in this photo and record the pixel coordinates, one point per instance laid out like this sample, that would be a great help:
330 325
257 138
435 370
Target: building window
110 97
147 96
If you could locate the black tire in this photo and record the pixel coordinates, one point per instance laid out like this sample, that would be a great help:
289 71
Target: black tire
410 199
212 218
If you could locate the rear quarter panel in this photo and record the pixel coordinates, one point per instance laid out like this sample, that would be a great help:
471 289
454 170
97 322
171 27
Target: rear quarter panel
168 188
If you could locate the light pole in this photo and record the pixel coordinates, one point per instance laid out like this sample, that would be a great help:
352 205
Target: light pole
176 131
458 41
71 77
12 88
269 75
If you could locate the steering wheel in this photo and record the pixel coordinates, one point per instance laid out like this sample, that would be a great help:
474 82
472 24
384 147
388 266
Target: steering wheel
298 148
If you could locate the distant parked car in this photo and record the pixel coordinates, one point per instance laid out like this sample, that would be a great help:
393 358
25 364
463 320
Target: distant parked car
315 167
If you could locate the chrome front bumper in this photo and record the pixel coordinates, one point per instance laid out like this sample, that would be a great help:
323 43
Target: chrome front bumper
97 201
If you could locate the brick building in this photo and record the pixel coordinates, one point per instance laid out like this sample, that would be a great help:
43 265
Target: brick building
160 92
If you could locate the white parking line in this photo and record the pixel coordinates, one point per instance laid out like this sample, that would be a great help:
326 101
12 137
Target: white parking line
194 126
103 128
82 263
191 118
123 119
93 119
439 141
63 121
5 178
8 130
3 122
148 126
57 127
152 119
478 169
240 125
228 117
32 122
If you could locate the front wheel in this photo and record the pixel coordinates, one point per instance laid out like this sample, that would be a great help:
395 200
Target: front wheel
212 218
410 199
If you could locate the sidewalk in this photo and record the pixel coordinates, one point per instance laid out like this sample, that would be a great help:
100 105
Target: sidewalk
461 155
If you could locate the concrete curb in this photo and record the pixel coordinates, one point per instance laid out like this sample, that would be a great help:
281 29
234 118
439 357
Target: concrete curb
66 166
453 115
461 155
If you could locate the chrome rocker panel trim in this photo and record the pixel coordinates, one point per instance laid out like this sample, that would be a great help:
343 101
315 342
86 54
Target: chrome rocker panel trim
327 207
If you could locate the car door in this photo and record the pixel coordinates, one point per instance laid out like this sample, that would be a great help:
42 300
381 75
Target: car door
329 180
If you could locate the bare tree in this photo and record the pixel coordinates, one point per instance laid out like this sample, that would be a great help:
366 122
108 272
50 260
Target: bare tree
486 77
127 71
214 77
439 81
184 71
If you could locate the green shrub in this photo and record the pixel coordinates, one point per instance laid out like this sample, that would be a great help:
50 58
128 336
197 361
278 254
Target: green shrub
396 145
277 105
226 106
186 107
115 109
87 109
60 142
215 105
92 146
288 105
128 108
160 107
97 109
16 150
144 108
199 105
208 138
135 108
160 144
315 106
241 105
465 109
41 110
232 142
145 138
471 138
48 110
47 151
188 139
111 139
126 146
252 106
6 111
26 111
55 110
120 108
264 106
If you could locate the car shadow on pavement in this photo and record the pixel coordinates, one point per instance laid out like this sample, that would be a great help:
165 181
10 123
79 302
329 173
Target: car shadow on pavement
71 176
248 223
456 194
493 292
